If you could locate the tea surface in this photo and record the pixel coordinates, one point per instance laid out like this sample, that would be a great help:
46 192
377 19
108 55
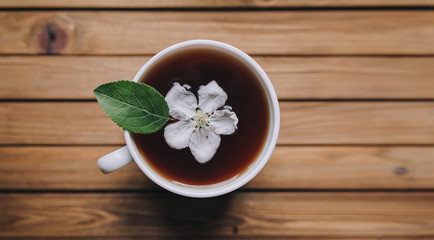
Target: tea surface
246 96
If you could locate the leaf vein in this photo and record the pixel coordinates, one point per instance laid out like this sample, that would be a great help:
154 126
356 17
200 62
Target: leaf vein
140 109
141 104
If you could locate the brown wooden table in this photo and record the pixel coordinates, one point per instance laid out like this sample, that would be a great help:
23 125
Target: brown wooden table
355 156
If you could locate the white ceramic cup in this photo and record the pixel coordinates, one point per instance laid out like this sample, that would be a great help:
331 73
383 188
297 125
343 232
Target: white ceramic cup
130 153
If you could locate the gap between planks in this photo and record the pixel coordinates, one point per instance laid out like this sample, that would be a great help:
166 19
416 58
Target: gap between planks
150 4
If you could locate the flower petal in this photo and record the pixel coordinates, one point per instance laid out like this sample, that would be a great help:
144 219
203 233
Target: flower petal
211 97
227 107
177 134
182 103
224 122
204 144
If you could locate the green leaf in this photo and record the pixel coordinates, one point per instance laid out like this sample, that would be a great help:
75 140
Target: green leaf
133 106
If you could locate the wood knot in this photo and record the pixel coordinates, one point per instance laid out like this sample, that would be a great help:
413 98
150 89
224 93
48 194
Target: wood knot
400 170
52 39
235 230
52 34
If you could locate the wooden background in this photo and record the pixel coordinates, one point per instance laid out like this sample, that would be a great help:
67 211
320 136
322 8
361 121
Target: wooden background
355 156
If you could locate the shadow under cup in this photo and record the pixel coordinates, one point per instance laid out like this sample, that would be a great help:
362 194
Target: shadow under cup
240 155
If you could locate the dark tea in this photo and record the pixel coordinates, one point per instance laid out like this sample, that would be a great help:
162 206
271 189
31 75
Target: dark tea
246 96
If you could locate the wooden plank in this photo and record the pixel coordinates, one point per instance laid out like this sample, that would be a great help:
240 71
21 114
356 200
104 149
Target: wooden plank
357 123
256 32
301 123
74 168
56 123
74 77
330 214
209 3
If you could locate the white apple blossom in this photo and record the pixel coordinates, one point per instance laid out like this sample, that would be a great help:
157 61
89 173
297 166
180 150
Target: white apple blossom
199 126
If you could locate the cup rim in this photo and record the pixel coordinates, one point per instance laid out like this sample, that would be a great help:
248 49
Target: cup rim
259 163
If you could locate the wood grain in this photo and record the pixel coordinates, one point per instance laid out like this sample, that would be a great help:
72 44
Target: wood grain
209 3
301 123
357 123
256 32
74 77
342 170
75 168
239 214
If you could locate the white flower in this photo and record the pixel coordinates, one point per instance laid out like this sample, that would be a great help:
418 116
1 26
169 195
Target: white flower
200 125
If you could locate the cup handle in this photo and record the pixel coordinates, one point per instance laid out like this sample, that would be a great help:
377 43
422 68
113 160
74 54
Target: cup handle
115 160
